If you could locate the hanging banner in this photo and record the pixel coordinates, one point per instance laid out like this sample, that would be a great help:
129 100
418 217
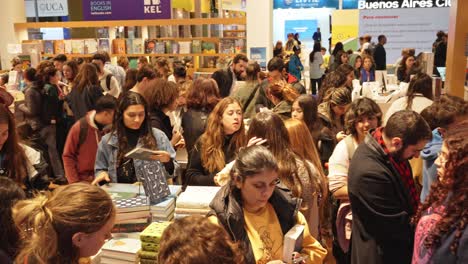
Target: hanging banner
46 8
305 4
393 4
346 28
121 10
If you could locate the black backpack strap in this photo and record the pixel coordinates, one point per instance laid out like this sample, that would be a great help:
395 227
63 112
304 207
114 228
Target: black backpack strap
83 131
251 96
108 81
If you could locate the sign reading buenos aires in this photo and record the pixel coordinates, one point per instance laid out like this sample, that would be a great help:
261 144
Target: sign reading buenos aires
126 10
389 4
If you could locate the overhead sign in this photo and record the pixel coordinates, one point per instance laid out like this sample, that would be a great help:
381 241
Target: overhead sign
393 4
121 10
305 4
46 8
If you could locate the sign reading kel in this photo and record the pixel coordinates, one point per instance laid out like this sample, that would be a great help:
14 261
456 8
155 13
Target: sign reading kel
152 6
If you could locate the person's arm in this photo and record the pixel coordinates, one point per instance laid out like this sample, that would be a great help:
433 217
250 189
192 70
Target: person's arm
196 174
338 166
310 246
70 154
165 145
101 166
114 87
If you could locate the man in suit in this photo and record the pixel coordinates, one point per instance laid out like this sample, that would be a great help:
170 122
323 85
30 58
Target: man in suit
226 78
382 191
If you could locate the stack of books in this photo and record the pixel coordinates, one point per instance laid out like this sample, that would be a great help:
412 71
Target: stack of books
195 200
164 211
150 238
120 251
133 214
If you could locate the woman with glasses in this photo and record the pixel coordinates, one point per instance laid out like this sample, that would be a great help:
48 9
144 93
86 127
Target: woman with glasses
256 213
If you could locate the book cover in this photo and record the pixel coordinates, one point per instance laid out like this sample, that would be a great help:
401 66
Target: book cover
91 46
196 46
118 46
175 47
240 46
168 46
292 241
208 47
197 197
104 45
153 178
48 46
138 46
77 46
185 47
129 45
139 203
59 46
122 248
150 46
141 153
160 48
68 46
153 232
148 246
226 46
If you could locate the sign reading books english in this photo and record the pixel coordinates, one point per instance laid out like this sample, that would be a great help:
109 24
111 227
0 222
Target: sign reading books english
119 9
386 4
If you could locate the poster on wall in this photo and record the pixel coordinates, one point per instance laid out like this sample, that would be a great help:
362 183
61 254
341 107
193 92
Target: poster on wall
346 28
305 4
235 5
258 54
46 8
404 28
119 9
305 28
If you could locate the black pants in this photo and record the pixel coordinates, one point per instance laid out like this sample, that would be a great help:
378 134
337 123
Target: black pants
315 85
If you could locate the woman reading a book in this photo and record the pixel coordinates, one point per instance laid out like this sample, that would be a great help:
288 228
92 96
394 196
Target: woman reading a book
216 147
71 223
257 214
132 129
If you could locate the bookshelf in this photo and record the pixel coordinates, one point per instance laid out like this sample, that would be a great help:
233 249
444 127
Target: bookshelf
200 59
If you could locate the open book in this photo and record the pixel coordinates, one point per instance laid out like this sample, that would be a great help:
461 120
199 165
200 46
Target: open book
292 242
141 153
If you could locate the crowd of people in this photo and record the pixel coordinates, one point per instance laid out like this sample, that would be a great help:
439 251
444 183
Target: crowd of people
339 167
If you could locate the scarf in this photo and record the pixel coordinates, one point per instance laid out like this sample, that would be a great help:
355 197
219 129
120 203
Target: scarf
403 169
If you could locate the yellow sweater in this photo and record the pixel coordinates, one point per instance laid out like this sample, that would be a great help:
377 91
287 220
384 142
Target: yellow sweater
266 237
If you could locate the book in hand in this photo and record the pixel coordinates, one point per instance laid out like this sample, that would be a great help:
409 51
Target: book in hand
141 153
292 242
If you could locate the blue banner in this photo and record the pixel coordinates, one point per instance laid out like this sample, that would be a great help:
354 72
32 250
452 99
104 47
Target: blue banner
305 28
350 4
305 4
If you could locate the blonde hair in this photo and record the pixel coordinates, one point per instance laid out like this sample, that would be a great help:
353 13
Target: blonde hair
283 91
48 222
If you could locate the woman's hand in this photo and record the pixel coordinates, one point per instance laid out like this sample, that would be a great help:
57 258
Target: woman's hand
256 141
340 136
176 137
162 156
103 176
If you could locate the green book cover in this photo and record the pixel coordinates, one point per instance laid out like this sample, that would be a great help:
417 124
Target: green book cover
147 246
153 232
147 255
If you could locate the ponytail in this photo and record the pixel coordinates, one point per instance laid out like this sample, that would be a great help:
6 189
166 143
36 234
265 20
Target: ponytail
283 91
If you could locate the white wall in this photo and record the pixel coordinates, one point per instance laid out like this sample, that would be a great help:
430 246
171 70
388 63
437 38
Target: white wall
13 11
260 26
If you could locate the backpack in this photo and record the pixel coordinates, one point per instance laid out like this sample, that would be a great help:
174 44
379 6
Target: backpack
49 106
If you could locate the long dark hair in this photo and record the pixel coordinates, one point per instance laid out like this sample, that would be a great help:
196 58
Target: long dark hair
10 193
309 107
317 48
421 83
146 133
339 46
87 77
452 192
15 160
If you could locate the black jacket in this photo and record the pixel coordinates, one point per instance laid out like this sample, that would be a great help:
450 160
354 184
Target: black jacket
380 57
381 206
161 121
193 124
196 174
227 207
82 103
223 78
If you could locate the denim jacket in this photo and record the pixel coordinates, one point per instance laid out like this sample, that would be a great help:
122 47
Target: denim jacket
106 156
